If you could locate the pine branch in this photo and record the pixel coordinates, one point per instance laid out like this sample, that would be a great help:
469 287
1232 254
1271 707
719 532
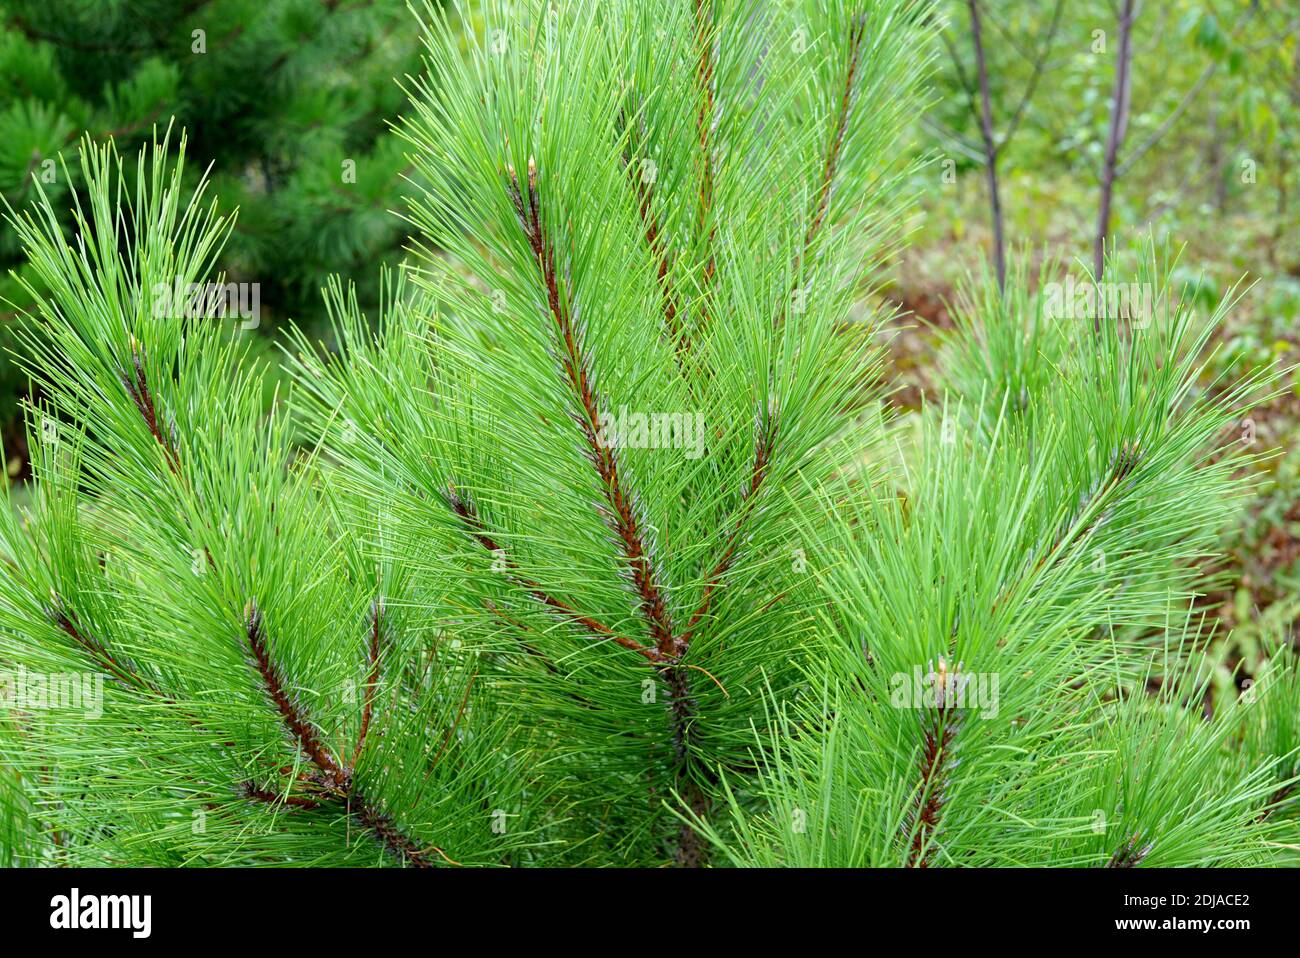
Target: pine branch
463 507
137 387
372 679
126 674
249 790
692 849
763 449
830 165
244 487
295 720
678 335
451 729
1281 795
1130 854
704 38
1123 463
766 430
336 782
765 435
529 648
836 144
1275 801
937 763
398 844
622 514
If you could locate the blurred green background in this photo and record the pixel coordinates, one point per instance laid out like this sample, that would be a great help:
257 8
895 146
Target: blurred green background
289 102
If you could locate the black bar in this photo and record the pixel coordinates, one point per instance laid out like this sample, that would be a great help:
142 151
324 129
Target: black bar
532 907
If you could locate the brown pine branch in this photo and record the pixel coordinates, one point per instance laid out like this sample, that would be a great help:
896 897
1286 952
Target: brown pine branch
536 653
622 515
137 387
124 672
830 165
758 473
250 791
451 729
1281 795
522 627
335 782
292 714
765 434
704 36
463 506
835 147
678 335
930 801
398 843
1123 463
1276 801
692 850
1131 853
372 680
936 765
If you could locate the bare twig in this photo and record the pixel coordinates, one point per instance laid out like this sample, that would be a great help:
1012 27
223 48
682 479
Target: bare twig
1114 137
990 147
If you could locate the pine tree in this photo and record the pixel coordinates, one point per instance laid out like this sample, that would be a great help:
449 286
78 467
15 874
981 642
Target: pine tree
653 219
596 544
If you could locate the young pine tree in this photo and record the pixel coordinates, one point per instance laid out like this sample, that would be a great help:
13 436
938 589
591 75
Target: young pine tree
593 546
1015 674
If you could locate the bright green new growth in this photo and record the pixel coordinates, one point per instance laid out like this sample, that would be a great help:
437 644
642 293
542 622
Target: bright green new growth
1040 562
269 692
593 548
650 211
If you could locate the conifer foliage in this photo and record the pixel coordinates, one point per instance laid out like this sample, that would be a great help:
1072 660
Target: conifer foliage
596 544
286 99
262 692
652 219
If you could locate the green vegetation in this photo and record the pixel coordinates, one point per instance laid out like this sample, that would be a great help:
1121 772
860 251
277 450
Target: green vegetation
594 537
